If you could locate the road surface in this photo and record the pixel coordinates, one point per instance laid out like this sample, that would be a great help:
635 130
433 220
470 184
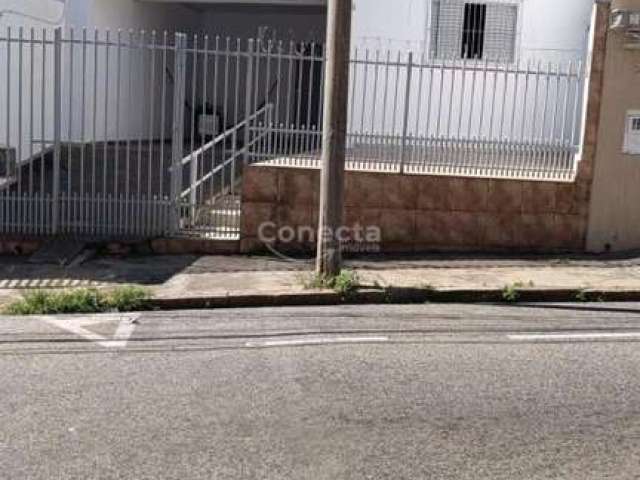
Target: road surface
354 392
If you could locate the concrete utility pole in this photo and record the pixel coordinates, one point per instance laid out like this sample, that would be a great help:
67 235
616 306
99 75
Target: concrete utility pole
336 98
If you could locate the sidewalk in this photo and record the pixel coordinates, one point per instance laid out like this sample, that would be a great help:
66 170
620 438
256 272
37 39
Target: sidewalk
192 281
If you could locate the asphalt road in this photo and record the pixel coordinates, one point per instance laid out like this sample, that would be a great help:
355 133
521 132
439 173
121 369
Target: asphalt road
398 392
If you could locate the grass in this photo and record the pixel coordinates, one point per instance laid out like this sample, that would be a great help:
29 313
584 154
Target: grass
582 296
510 293
82 300
345 283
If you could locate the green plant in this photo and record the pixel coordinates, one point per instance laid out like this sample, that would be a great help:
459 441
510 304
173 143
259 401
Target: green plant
345 283
581 295
511 293
128 299
82 300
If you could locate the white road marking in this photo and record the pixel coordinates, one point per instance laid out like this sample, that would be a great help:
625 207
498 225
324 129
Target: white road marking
77 326
575 336
315 341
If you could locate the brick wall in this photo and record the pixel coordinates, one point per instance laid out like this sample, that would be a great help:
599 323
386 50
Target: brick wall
424 213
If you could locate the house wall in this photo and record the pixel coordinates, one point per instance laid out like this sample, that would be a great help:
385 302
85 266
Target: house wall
43 16
35 19
549 30
551 35
265 23
614 222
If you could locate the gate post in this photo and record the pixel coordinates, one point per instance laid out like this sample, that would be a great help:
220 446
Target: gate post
57 129
405 118
177 131
248 104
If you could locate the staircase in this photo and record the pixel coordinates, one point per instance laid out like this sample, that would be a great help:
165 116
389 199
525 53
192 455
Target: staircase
218 220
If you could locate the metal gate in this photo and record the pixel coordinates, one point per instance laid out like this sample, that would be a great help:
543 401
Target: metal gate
124 134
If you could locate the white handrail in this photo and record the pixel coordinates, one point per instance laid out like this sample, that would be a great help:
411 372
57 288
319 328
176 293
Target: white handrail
221 166
217 140
225 134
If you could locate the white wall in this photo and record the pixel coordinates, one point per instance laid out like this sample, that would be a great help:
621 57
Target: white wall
555 30
31 17
398 24
550 30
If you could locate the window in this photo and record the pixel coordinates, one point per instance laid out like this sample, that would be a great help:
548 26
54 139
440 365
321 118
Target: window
632 133
474 30
475 20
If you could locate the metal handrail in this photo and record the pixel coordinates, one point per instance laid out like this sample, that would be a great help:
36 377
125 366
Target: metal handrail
208 146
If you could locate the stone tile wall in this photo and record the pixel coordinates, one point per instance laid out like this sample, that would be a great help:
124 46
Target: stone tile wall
423 213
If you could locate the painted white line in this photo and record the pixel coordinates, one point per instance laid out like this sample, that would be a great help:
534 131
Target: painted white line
575 336
315 341
78 326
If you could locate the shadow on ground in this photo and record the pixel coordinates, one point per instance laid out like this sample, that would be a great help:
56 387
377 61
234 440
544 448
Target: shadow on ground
17 273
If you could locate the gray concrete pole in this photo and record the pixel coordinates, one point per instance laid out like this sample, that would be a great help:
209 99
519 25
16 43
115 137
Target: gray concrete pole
336 98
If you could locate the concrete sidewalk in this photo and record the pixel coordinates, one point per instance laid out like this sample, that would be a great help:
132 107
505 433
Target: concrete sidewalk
192 281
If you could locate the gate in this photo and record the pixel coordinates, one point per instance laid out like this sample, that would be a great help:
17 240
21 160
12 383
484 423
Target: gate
122 135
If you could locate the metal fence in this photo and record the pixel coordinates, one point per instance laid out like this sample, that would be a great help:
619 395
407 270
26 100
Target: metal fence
426 116
142 134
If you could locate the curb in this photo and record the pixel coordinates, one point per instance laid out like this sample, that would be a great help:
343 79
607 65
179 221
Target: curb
394 296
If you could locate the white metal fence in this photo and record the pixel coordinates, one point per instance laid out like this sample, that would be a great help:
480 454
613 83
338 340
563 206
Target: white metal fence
143 134
426 116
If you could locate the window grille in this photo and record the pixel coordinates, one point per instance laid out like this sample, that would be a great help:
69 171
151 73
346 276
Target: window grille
474 30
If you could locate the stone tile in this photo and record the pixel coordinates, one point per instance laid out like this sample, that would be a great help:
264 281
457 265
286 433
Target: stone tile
567 199
432 193
448 229
505 196
389 247
468 194
569 232
254 215
499 230
365 217
463 229
539 197
398 226
260 184
294 215
251 245
583 197
536 231
400 192
299 186
431 228
364 189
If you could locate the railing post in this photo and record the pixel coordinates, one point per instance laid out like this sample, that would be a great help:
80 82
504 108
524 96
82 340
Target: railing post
177 142
57 129
247 103
405 118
